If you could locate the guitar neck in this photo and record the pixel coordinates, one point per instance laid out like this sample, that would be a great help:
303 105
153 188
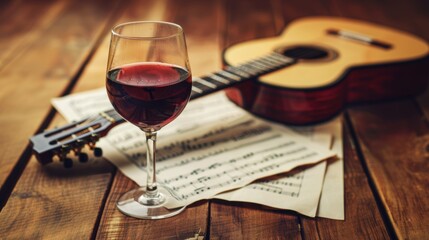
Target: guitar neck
225 78
233 75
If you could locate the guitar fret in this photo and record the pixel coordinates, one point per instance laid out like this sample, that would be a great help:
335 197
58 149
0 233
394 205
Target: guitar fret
238 72
202 87
215 84
273 64
265 63
219 79
282 58
258 66
197 90
230 75
274 59
249 69
107 116
114 115
205 82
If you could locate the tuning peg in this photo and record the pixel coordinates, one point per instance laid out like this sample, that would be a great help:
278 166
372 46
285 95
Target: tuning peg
83 157
80 143
78 146
98 152
64 150
94 137
68 162
93 140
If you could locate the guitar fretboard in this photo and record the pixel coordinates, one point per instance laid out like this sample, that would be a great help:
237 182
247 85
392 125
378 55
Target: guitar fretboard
233 75
115 117
229 77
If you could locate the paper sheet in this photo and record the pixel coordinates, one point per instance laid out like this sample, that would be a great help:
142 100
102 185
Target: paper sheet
332 199
215 169
299 190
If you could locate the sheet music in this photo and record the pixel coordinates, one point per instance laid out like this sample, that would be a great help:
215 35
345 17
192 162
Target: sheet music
84 104
298 190
199 159
287 191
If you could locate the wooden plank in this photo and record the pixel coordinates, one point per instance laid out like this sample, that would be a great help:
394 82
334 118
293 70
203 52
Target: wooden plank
294 9
363 219
56 203
406 16
250 20
250 221
17 32
394 143
48 66
203 49
51 202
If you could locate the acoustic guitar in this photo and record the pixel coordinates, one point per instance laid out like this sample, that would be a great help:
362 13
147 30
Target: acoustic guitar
336 61
306 75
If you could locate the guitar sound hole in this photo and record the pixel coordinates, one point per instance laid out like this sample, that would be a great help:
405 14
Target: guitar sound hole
307 53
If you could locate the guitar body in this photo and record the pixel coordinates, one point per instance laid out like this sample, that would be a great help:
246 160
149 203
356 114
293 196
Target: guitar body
358 62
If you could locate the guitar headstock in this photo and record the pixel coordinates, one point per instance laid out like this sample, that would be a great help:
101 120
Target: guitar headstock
72 138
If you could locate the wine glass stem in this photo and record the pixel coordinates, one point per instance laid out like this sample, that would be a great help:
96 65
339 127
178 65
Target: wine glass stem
151 186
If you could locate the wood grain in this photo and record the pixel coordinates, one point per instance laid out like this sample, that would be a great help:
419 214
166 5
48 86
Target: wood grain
52 202
16 31
56 203
394 143
30 80
251 221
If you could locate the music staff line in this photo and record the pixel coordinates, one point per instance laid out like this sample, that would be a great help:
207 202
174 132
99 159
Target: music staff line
179 148
279 186
220 151
246 165
237 177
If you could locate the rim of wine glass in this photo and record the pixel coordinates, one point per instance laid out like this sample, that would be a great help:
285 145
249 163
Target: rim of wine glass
179 32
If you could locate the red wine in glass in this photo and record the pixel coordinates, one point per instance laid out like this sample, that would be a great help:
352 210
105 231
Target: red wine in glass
149 94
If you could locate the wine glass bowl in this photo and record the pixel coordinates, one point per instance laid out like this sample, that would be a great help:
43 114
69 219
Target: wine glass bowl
148 82
148 94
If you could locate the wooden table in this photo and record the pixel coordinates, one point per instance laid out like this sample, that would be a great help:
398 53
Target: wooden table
52 48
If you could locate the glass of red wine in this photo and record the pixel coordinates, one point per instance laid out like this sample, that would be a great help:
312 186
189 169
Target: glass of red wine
149 84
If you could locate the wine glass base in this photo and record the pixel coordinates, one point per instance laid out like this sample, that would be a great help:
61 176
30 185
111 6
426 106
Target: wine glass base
131 205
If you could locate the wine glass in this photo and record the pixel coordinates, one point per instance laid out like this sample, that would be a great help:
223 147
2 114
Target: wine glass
149 84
